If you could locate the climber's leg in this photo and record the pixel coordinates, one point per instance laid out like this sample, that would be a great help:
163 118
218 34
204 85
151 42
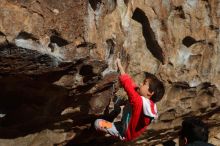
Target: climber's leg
107 127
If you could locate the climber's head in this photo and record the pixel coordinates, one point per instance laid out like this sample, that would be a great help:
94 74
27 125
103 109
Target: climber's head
152 88
193 129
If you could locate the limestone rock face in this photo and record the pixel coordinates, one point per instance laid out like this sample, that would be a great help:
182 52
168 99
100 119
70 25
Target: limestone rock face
57 71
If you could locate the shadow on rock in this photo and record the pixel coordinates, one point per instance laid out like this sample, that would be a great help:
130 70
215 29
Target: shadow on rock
29 106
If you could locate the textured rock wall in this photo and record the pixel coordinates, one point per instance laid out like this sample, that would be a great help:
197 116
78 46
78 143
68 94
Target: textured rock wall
179 42
57 65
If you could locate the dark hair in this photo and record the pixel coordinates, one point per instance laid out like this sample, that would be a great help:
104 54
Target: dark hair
194 130
155 86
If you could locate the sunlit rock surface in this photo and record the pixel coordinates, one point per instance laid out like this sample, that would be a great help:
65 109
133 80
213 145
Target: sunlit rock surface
57 72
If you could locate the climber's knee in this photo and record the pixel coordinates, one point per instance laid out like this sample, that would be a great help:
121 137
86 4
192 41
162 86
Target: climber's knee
102 125
96 124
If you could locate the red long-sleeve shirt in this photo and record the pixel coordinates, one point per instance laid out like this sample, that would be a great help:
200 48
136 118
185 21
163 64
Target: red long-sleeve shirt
138 120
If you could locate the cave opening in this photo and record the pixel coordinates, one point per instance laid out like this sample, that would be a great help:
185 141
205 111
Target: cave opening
58 40
25 35
94 3
149 36
189 41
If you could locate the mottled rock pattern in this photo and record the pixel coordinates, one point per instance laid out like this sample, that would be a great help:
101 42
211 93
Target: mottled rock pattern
57 66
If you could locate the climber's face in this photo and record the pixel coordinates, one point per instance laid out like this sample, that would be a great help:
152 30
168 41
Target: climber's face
144 88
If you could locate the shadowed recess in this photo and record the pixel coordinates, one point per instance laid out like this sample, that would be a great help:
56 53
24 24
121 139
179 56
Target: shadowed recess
212 27
183 85
2 34
126 1
26 36
30 105
88 45
148 34
86 70
94 3
88 75
111 47
180 11
5 47
58 40
189 41
169 143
